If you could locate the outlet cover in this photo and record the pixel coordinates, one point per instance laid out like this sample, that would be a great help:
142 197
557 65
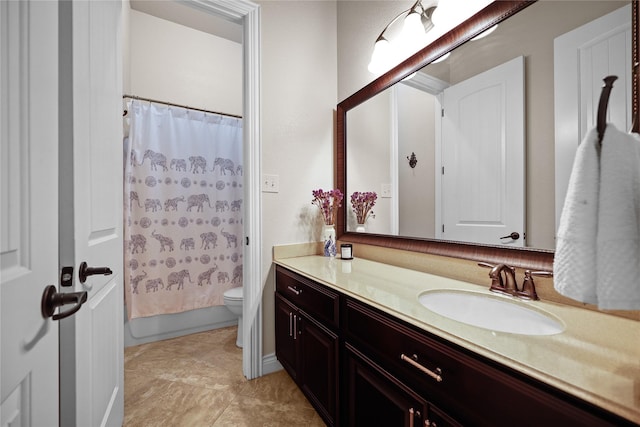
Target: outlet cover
385 190
270 183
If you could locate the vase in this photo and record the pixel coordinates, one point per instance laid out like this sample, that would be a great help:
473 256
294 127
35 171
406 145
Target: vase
329 238
360 228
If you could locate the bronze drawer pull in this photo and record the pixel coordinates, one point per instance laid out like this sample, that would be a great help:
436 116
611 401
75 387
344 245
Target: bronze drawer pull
294 290
290 324
435 375
412 414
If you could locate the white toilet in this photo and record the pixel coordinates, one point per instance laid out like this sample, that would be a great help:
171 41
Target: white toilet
233 301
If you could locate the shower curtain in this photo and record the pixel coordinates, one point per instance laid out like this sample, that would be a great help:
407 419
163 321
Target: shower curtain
183 209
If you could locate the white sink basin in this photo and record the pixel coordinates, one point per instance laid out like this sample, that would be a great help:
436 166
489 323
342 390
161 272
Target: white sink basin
496 313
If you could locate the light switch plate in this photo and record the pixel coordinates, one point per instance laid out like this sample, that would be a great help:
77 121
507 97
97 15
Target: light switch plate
385 190
270 183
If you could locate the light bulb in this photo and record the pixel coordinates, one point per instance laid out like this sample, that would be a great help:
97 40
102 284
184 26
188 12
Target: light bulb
413 26
413 36
381 57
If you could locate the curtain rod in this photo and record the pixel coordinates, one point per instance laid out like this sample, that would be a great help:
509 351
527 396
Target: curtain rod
140 98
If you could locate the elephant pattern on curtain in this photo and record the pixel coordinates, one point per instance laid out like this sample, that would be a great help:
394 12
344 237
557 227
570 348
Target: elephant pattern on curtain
183 209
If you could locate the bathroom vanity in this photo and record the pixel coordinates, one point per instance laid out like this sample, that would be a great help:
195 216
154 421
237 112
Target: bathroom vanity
361 347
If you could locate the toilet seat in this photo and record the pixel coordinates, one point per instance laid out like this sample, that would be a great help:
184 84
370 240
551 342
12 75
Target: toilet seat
234 294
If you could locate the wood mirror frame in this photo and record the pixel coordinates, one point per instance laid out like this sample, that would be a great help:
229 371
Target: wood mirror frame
539 259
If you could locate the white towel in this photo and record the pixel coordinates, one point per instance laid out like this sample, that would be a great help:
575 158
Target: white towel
618 239
574 266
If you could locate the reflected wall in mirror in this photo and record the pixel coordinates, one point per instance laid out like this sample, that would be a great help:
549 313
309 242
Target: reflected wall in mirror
376 122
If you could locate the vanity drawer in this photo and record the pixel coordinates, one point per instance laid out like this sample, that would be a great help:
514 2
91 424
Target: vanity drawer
424 364
476 390
316 300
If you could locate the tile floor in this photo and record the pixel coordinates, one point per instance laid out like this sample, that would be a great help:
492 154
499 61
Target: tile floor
197 380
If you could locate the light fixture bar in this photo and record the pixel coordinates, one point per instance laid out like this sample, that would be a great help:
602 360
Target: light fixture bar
417 22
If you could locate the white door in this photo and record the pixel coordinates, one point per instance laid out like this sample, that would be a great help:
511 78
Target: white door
91 351
582 59
483 157
28 211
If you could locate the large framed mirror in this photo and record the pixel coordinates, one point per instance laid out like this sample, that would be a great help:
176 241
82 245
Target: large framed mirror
422 77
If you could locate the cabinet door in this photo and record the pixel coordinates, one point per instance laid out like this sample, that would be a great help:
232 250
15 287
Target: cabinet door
318 362
375 398
286 336
436 418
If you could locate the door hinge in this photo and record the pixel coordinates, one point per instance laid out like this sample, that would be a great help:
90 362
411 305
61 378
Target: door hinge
443 170
443 228
442 112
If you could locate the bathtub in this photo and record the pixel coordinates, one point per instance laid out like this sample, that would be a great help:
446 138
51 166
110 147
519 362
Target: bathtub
149 329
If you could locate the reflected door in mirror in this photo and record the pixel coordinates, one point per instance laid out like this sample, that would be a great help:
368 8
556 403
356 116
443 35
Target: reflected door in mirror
483 157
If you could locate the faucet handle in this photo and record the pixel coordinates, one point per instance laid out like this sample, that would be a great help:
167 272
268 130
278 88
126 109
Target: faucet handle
528 287
542 273
486 264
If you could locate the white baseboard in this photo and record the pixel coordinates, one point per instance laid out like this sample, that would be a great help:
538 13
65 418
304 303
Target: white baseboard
270 364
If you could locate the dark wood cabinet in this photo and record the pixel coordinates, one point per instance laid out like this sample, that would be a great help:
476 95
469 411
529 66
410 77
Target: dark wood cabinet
318 358
460 384
286 336
376 398
308 349
395 374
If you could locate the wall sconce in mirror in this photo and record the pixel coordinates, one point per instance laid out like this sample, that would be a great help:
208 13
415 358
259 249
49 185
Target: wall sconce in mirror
412 160
485 33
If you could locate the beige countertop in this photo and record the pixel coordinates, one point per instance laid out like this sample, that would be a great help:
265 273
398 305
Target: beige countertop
596 358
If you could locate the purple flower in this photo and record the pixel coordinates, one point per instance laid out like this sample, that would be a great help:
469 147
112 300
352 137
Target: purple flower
328 202
363 203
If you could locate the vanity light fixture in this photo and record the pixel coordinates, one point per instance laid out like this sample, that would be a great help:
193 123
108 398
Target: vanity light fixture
417 22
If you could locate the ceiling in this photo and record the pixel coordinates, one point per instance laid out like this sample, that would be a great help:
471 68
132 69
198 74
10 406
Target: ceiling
181 13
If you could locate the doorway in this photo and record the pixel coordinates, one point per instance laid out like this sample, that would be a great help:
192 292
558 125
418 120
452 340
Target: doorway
244 15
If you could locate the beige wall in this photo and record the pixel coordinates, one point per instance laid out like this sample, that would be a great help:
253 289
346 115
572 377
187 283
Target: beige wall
174 63
416 186
299 82
368 159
